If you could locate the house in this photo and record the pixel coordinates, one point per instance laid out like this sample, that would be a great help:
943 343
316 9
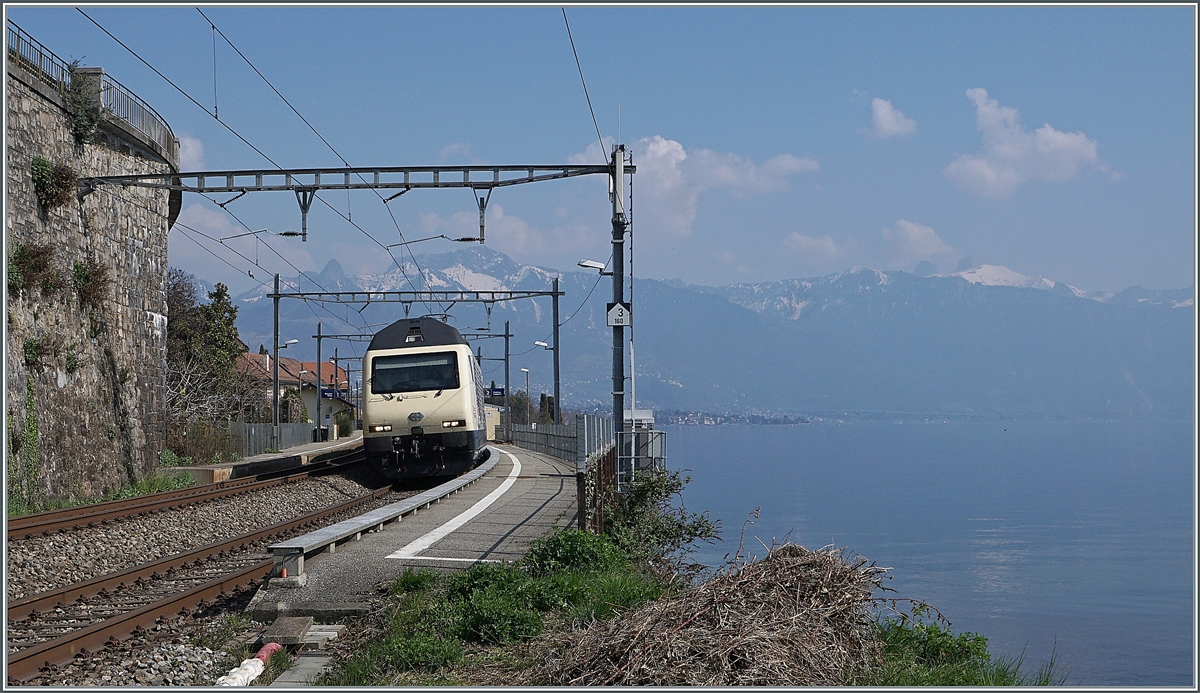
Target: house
301 376
335 392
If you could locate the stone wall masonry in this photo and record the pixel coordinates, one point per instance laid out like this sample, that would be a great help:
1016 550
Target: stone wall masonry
99 424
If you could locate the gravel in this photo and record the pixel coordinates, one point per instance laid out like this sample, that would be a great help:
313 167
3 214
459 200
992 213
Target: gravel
166 655
42 563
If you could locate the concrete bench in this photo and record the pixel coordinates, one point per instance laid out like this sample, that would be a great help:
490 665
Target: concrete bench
289 555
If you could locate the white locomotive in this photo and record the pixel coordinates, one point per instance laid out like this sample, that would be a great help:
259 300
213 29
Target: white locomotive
422 401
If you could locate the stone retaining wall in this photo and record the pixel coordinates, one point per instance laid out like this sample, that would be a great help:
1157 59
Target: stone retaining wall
86 415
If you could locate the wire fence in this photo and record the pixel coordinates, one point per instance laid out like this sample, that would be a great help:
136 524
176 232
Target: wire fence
580 441
250 439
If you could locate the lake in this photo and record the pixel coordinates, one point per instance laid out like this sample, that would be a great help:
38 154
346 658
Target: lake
1038 535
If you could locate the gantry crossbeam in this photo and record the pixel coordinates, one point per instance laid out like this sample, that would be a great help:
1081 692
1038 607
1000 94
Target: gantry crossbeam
413 296
388 177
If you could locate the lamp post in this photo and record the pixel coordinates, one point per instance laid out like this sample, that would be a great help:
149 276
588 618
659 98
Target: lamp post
555 411
275 372
528 398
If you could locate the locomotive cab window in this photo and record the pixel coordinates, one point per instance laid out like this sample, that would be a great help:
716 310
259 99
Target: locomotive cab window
414 372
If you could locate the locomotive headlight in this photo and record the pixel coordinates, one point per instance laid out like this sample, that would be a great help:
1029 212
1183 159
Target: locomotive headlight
454 424
380 428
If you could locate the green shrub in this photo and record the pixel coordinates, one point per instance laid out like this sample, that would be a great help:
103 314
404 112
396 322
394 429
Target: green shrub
53 184
607 594
486 576
932 643
168 458
572 549
920 653
33 351
83 99
651 526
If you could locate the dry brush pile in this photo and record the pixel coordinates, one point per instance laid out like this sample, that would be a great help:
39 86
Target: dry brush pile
797 617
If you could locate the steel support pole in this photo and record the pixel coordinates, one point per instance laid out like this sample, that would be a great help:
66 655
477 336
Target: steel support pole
618 272
557 411
275 372
507 408
320 404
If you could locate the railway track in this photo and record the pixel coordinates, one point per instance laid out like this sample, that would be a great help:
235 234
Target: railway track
101 513
51 628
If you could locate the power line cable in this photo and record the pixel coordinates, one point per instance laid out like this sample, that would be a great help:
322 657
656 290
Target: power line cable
581 79
177 88
210 251
225 125
299 115
235 252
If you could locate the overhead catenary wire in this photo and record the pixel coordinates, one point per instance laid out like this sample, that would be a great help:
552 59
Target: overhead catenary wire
338 154
225 125
177 88
236 252
584 81
216 113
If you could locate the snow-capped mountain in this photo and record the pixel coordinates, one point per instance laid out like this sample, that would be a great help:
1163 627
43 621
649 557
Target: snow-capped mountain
984 341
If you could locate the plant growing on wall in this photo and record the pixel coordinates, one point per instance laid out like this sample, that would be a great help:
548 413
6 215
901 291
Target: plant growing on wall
72 359
54 184
91 281
30 266
24 468
33 351
83 104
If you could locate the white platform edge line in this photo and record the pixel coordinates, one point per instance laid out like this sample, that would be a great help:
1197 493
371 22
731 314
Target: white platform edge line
464 517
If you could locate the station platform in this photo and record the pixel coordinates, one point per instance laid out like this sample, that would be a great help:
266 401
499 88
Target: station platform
289 458
520 499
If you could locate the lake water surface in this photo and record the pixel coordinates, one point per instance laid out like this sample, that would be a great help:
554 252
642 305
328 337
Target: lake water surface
1034 534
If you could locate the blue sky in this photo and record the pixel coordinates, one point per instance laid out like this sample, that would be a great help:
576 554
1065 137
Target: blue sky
771 143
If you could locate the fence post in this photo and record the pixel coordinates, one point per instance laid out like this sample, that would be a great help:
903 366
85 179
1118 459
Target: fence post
581 425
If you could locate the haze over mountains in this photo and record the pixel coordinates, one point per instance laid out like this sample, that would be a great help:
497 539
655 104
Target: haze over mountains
981 342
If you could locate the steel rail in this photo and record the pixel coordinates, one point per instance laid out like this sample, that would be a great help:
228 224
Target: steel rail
89 515
29 662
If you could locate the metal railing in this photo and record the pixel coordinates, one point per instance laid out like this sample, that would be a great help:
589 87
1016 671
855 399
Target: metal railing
548 439
115 98
580 442
127 106
23 50
594 436
639 451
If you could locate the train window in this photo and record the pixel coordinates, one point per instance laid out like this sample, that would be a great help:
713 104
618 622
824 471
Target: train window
414 372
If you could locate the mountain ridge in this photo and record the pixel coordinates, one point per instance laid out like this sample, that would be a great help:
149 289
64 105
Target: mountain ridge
993 343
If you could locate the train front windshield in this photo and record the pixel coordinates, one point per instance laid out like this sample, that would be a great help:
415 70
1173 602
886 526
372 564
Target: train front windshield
414 372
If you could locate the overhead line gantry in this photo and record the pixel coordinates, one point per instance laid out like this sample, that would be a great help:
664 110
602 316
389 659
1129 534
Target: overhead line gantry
306 182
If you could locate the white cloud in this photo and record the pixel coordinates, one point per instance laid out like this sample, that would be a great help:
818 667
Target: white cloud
888 121
670 178
912 242
1012 155
510 234
191 153
461 152
823 248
